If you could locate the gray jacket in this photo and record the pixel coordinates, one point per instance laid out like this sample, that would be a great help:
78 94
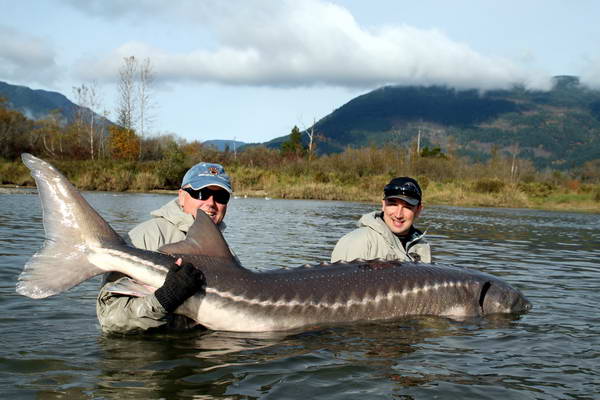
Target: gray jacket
373 239
125 314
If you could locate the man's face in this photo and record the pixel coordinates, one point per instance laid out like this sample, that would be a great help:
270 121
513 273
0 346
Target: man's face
399 216
215 211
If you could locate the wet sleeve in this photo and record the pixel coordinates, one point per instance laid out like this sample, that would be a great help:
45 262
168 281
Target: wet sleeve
125 314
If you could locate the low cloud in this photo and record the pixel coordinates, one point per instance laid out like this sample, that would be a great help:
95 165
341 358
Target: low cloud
590 74
26 58
296 43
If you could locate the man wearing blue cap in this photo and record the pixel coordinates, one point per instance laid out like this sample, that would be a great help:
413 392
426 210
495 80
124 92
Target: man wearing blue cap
388 234
204 187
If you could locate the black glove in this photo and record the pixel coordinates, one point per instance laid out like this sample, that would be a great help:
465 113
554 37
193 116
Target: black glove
181 282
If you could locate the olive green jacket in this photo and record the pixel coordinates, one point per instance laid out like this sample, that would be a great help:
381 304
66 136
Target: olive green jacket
126 314
373 240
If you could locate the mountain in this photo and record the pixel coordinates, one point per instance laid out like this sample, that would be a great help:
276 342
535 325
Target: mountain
559 128
36 104
221 145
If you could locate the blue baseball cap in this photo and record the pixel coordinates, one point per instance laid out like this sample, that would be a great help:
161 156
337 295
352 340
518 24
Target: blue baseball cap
206 174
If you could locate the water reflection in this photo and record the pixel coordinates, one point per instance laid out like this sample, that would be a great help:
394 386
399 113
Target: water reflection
222 363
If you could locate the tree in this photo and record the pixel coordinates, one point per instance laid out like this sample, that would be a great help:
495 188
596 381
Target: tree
135 101
127 103
124 143
88 101
145 105
15 132
432 153
51 134
312 138
293 146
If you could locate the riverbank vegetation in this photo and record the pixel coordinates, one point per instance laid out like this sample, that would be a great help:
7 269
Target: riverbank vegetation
354 175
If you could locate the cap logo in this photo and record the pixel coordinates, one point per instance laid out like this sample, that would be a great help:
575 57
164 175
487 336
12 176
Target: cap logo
213 171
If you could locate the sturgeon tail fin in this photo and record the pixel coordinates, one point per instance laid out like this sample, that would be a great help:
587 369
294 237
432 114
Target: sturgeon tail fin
72 228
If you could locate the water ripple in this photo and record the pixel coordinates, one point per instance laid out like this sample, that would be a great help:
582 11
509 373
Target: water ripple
53 348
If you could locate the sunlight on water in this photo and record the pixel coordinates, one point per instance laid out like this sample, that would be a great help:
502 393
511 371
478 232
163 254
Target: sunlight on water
53 347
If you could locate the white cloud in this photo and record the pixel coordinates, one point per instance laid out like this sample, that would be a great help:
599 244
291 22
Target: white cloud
590 75
25 57
295 43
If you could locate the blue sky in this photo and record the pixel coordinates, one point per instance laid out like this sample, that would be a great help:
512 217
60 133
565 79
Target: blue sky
252 69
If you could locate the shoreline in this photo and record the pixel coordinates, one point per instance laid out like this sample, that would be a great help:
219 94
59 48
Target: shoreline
573 206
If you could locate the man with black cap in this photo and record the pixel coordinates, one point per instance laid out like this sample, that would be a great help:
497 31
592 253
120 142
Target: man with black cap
388 234
205 187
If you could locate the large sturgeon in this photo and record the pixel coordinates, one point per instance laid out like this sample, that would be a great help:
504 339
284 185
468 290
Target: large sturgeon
80 244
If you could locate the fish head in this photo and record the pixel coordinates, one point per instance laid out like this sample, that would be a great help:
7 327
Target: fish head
496 297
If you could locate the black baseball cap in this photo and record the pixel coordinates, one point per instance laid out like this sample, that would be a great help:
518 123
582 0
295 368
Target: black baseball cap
404 188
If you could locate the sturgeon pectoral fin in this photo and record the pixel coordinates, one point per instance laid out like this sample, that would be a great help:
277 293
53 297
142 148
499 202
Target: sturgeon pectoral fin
130 287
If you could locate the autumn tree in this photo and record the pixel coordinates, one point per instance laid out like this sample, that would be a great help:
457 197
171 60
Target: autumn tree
124 143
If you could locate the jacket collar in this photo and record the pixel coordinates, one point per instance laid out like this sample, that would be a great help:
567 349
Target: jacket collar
374 220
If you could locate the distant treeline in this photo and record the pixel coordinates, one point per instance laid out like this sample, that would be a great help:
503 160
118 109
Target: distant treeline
125 162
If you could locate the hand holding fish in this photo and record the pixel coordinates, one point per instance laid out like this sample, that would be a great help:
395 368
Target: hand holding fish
182 281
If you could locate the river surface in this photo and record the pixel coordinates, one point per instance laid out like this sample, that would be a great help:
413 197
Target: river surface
53 348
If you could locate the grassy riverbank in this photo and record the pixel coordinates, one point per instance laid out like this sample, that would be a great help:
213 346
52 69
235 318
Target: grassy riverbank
330 179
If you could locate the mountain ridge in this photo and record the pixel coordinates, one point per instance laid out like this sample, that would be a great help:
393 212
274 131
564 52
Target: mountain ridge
559 128
37 104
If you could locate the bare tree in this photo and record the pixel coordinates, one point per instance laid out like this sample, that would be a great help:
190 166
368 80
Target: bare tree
135 96
88 100
144 100
514 167
312 138
127 95
145 105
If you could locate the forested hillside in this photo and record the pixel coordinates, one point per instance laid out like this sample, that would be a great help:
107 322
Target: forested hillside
559 128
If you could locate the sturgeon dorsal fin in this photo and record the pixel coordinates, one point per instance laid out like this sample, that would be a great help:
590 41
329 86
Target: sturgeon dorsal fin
203 239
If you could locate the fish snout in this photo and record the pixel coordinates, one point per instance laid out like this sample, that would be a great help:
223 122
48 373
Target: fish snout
500 298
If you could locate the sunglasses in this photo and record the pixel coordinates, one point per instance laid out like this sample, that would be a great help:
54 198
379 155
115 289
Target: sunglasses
220 196
407 189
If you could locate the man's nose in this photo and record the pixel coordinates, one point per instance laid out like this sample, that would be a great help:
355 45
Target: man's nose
399 210
211 200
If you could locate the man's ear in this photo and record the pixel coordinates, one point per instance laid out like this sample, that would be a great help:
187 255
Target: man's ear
419 210
181 195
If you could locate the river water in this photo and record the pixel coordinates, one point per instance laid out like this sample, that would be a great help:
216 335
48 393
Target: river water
53 348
